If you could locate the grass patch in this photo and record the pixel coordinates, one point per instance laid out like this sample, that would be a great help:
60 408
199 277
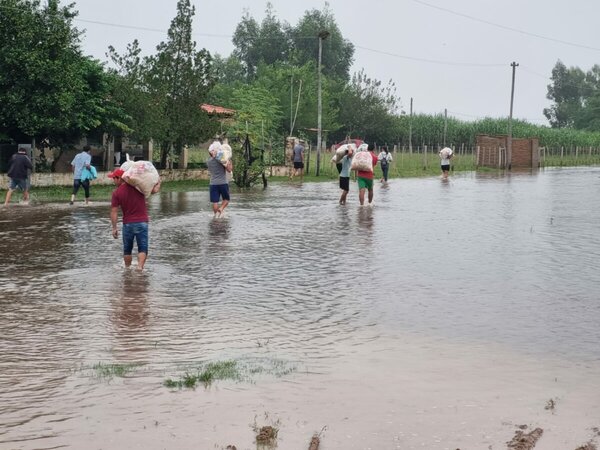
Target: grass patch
242 370
113 370
103 192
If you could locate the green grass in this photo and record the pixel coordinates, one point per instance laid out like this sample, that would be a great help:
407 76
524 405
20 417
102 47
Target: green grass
240 370
113 370
222 370
100 192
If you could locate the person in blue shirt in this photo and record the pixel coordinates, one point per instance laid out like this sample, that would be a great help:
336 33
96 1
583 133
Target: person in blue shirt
81 160
346 162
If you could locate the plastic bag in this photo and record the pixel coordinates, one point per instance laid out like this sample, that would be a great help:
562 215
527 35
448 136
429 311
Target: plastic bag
142 175
446 153
223 154
362 161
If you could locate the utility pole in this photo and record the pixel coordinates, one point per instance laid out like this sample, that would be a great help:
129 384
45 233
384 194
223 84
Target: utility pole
292 105
514 65
322 36
445 124
410 128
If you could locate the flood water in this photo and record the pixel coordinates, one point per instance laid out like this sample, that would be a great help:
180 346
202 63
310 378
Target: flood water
442 317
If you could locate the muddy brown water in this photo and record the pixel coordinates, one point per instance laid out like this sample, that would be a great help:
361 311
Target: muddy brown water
442 317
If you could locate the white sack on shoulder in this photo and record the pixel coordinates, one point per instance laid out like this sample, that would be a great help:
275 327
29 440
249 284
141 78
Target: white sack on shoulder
362 161
143 176
446 152
224 154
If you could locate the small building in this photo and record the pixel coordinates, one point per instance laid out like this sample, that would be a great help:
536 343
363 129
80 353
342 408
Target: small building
492 152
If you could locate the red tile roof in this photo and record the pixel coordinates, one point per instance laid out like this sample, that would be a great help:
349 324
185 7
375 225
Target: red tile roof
218 110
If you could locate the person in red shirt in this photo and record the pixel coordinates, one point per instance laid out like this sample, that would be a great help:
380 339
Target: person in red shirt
135 218
365 179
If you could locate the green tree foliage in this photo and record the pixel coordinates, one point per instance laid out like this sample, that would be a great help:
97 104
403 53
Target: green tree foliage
48 90
257 119
245 39
129 89
367 109
568 92
338 53
181 76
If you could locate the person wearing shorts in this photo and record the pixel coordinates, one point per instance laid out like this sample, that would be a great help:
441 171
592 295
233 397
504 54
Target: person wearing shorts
218 185
18 172
445 155
365 179
345 164
298 160
135 218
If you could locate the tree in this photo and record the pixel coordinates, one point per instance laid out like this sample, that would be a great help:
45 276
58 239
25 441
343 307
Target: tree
48 90
258 116
367 109
568 92
181 77
245 40
338 53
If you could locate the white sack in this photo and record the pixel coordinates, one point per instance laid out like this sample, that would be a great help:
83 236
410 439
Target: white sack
142 175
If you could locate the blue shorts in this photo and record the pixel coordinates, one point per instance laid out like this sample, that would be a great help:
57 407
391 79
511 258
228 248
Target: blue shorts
18 183
137 231
219 191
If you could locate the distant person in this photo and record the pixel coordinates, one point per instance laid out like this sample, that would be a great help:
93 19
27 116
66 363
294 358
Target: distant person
18 172
219 184
365 179
135 218
345 164
81 160
385 158
445 156
298 160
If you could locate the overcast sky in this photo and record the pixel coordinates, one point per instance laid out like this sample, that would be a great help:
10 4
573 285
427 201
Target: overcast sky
444 54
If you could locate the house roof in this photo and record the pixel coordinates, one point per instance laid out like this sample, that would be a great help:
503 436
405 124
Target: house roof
217 110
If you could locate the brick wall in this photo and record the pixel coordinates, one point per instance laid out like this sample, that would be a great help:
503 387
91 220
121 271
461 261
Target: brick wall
492 151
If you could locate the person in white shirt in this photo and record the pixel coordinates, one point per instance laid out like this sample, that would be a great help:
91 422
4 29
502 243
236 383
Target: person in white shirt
385 158
445 155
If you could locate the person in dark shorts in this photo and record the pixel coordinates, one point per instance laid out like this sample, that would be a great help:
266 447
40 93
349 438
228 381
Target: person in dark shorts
18 172
345 164
298 160
445 156
218 186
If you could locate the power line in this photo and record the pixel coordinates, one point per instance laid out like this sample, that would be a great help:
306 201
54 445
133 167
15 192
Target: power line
504 27
432 61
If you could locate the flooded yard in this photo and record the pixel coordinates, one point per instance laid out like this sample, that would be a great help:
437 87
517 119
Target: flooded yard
445 316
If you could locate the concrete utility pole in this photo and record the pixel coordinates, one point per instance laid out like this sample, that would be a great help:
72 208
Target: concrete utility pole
410 128
322 36
514 65
445 124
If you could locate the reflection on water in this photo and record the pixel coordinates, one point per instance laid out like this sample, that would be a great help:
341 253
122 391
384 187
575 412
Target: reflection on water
475 260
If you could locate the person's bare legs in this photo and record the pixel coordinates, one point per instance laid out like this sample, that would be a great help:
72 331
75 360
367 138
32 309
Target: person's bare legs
361 196
371 195
224 204
26 196
127 260
141 260
8 196
215 207
343 197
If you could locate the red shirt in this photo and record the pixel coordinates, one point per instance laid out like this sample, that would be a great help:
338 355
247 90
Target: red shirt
368 175
132 203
